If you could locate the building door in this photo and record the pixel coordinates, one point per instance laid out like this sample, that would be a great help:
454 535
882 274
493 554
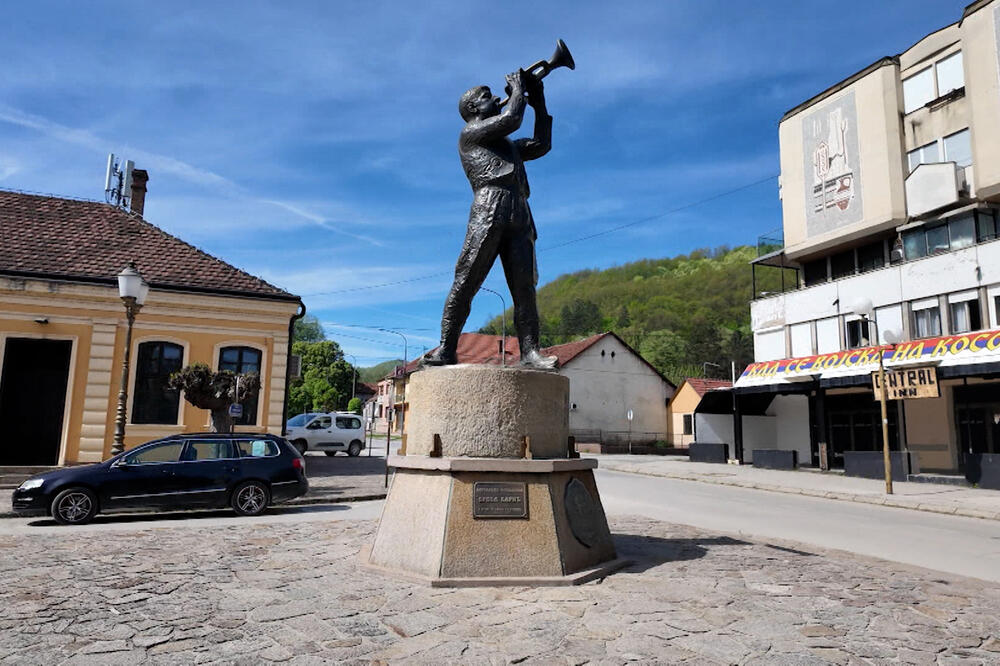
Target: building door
854 423
977 408
32 400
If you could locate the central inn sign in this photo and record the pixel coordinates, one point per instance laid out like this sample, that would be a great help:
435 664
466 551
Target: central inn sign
921 356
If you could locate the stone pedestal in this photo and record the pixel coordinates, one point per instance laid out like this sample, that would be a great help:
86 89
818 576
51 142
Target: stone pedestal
485 411
486 493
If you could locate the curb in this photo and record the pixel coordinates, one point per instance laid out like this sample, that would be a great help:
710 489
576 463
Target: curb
891 501
298 501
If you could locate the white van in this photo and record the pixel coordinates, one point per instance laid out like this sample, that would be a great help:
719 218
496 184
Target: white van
329 433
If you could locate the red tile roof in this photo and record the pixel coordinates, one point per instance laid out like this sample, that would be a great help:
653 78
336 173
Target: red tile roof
45 236
701 386
484 349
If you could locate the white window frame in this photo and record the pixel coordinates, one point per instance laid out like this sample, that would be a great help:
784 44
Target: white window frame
965 303
916 328
935 91
945 157
937 74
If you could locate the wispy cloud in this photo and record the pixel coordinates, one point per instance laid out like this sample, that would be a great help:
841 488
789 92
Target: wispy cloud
8 167
162 163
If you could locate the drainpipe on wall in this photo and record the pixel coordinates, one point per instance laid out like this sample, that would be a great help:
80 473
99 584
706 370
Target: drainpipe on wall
288 366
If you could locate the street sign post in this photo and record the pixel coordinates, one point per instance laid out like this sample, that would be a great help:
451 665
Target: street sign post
629 416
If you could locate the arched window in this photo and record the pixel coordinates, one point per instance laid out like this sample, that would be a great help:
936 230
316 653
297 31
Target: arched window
154 401
242 360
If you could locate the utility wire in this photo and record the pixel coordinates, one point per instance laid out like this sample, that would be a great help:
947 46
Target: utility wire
564 244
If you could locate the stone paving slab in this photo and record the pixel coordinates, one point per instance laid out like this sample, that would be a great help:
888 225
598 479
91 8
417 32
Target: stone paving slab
931 497
294 593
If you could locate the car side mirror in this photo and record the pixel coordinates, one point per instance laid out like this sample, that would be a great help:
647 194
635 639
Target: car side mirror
121 462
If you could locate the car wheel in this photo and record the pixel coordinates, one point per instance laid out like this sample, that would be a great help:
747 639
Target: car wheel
330 453
74 506
300 445
250 498
354 449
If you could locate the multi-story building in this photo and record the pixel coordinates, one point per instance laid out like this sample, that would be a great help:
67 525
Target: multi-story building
890 189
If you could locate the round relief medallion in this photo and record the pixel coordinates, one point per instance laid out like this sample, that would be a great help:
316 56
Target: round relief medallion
581 511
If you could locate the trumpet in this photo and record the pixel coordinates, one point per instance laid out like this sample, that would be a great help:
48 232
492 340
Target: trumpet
561 58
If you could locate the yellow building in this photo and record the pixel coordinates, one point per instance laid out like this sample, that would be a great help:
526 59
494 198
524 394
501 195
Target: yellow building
63 327
680 410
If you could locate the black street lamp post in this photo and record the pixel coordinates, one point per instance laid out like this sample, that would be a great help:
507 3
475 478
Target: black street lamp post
133 290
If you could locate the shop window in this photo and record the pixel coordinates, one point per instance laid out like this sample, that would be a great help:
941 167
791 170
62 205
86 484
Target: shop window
965 317
927 322
688 424
154 401
857 333
958 149
842 265
243 360
986 225
871 257
814 272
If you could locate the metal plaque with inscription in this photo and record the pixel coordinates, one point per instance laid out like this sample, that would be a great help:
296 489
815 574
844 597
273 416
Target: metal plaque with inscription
500 500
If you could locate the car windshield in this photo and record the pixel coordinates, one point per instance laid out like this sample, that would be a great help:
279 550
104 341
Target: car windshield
300 420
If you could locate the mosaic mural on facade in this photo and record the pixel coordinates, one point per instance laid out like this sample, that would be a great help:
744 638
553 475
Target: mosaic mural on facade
832 166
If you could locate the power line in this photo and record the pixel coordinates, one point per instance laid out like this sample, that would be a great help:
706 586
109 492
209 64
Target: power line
564 244
659 215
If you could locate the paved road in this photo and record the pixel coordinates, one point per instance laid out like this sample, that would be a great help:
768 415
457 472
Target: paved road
965 546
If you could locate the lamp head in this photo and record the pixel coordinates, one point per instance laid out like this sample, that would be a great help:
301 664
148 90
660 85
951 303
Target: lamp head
863 307
130 282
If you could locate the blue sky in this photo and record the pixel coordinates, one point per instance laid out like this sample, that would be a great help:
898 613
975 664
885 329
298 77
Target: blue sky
314 143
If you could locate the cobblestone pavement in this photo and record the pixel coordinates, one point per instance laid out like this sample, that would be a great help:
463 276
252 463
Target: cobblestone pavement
294 593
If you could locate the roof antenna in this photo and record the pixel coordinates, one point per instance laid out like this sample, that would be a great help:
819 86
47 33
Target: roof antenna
118 182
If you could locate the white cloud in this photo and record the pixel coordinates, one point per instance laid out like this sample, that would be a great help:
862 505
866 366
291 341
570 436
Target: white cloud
8 167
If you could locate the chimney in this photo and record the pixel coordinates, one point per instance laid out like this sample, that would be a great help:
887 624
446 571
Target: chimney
139 179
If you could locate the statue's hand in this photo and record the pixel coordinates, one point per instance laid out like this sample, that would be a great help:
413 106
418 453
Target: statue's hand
515 83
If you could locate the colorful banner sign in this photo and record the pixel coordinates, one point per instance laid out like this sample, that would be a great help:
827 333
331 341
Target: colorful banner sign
979 347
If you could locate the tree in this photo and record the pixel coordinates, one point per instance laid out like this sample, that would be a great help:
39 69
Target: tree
214 391
308 329
665 350
354 405
325 384
580 317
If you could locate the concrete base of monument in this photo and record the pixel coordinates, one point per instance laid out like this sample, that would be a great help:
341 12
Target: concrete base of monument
455 522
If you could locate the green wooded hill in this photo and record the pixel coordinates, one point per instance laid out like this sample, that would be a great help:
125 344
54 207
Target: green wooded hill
377 372
679 312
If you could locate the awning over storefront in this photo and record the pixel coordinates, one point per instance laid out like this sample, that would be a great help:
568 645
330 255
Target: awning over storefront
970 354
720 401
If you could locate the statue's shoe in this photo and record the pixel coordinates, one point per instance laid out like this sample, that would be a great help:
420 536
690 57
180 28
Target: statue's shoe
439 356
535 360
